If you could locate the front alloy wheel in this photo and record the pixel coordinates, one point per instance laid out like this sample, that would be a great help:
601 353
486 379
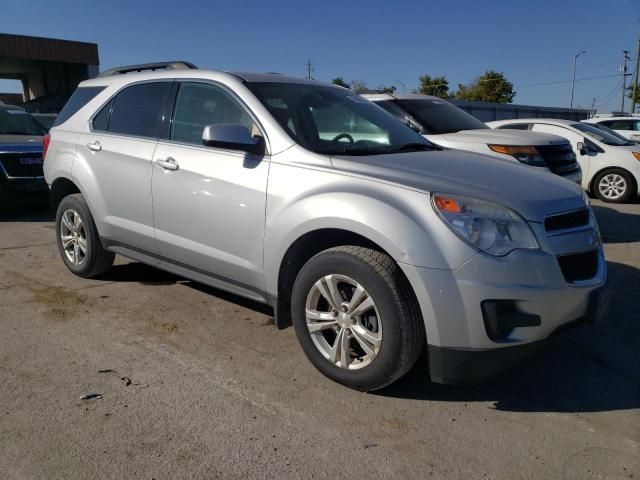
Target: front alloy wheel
343 321
343 300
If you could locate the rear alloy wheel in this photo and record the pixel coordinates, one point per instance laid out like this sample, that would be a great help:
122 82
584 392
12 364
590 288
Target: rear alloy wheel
78 239
356 317
614 186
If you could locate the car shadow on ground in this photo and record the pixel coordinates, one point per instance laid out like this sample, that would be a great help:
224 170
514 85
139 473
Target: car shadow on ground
36 211
147 275
591 369
616 226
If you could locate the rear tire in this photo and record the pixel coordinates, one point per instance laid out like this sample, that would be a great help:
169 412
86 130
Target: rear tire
78 240
614 185
371 333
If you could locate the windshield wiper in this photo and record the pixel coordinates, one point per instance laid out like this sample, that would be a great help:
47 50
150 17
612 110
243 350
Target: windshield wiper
412 147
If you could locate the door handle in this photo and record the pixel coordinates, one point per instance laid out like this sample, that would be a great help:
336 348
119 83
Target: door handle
168 163
95 146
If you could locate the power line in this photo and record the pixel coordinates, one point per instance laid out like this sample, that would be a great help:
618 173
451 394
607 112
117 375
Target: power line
566 81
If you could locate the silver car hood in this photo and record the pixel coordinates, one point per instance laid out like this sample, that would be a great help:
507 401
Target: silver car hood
532 193
501 137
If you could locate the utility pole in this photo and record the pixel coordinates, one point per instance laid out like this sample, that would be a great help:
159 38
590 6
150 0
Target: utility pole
624 77
635 77
309 68
573 80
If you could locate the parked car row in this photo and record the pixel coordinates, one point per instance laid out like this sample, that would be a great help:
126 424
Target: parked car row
373 241
610 164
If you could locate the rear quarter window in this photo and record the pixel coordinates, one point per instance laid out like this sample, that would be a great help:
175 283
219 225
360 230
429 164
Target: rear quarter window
79 99
137 110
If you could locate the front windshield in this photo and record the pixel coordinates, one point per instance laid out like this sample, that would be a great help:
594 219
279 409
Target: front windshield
613 132
600 135
19 122
335 121
439 116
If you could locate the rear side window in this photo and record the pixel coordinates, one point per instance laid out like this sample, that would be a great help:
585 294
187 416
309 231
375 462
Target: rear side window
79 99
618 124
137 110
101 120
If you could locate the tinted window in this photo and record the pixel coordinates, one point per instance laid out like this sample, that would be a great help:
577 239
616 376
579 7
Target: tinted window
598 134
79 99
439 116
198 105
15 121
517 126
335 121
514 126
101 120
619 124
137 110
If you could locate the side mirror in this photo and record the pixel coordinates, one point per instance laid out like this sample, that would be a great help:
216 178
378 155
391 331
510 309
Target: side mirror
233 137
582 148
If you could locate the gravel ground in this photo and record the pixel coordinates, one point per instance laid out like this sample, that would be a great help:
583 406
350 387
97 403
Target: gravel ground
196 383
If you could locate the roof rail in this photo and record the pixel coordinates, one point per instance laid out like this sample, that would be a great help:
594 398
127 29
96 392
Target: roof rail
177 65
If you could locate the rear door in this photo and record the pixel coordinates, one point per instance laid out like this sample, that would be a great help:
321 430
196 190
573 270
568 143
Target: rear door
209 206
119 151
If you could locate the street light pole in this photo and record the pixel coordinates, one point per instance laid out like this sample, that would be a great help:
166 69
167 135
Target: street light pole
573 80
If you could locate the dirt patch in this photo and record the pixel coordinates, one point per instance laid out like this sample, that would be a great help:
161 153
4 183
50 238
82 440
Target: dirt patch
59 303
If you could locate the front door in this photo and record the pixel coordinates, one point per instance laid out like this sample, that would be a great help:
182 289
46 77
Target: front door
209 203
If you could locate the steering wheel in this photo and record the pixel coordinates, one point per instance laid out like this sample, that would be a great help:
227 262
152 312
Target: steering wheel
344 135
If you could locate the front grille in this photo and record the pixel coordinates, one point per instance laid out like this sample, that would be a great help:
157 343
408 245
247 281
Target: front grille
560 159
579 266
22 164
577 218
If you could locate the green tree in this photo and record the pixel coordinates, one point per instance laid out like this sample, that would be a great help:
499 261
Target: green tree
630 93
492 86
340 81
383 89
436 86
358 86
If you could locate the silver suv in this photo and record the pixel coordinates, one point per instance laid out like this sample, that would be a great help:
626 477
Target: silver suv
372 242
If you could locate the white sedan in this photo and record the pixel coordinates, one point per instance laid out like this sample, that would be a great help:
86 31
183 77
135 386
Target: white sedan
610 165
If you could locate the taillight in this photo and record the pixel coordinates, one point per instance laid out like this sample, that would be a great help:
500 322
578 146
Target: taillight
45 145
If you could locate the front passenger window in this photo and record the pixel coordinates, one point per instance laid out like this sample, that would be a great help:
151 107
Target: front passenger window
200 104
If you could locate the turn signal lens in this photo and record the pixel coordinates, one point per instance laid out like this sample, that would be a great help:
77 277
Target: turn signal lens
445 204
523 153
513 150
637 155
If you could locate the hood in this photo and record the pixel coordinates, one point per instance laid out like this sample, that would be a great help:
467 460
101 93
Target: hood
21 142
531 192
501 137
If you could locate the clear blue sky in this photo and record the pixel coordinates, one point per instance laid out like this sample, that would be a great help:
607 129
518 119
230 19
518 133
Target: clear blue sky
376 42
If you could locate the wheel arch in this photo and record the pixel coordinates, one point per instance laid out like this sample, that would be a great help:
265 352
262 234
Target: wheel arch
60 188
304 248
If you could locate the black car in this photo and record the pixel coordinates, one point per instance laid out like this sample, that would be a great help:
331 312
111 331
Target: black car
21 176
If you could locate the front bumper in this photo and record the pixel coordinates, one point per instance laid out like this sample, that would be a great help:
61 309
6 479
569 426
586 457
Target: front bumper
460 347
460 366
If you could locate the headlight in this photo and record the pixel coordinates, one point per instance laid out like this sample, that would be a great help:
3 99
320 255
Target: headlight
524 154
490 227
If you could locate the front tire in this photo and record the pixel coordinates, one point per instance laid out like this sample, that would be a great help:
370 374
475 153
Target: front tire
614 186
356 317
78 239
